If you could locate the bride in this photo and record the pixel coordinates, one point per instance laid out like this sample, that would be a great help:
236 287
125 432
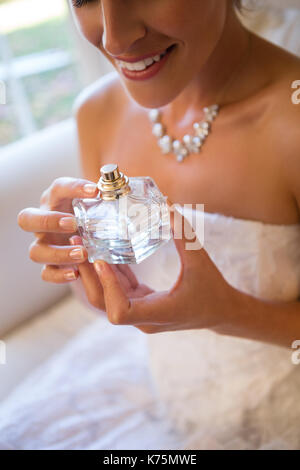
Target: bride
222 319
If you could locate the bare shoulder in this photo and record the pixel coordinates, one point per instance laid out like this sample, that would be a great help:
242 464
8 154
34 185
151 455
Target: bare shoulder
103 91
284 122
93 109
284 109
288 138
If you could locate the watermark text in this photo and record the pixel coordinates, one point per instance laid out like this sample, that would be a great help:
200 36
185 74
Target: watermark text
296 354
2 353
2 92
296 94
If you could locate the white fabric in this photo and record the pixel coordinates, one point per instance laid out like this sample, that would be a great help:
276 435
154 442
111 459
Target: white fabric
220 392
235 391
269 4
278 25
35 341
95 394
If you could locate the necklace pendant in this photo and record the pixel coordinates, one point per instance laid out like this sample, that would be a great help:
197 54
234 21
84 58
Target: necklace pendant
202 129
158 130
190 144
211 112
188 141
197 143
180 151
165 144
154 115
180 157
193 144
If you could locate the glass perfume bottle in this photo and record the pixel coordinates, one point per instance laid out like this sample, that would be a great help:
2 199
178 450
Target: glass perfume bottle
127 221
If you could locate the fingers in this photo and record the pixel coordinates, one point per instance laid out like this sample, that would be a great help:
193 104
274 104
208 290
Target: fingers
68 188
46 218
125 269
117 303
38 220
90 280
190 247
152 309
185 237
58 275
57 255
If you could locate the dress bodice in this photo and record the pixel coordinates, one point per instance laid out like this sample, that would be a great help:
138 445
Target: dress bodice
205 377
258 258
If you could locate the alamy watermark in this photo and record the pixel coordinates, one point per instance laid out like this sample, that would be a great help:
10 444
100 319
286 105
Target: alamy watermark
2 92
296 354
2 353
296 93
154 220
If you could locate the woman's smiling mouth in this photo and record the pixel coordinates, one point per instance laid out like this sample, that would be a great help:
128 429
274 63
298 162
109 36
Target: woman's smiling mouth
146 68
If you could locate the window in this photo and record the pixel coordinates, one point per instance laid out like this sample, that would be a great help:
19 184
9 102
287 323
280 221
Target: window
39 76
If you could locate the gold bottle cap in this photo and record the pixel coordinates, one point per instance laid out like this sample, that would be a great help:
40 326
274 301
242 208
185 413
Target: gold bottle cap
110 172
112 183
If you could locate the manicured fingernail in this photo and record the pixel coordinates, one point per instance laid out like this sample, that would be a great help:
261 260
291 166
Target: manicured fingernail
70 275
68 223
90 188
77 253
99 266
72 241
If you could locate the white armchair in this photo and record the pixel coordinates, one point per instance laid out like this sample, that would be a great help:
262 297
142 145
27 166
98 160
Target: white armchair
26 169
30 331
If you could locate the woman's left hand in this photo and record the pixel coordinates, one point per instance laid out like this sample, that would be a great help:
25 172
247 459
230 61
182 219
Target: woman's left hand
200 297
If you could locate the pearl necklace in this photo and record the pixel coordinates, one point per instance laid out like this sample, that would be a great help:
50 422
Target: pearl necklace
190 143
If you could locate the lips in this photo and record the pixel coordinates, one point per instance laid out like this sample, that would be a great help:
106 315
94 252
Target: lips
151 70
143 57
142 64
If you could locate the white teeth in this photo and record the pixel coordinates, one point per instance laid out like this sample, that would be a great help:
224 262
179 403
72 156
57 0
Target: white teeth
142 64
128 66
149 61
139 65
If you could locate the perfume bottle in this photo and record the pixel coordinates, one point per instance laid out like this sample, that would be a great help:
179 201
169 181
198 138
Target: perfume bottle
127 221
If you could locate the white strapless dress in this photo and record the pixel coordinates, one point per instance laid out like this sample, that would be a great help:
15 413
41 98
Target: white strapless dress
113 387
232 392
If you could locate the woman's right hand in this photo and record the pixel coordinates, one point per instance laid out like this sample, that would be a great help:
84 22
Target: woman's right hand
53 224
55 245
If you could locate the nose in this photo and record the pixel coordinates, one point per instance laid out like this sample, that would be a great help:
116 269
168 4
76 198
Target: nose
121 27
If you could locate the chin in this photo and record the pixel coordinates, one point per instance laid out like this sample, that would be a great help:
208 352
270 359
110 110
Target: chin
157 102
150 96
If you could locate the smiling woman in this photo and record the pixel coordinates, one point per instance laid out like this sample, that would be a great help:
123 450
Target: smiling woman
127 31
229 311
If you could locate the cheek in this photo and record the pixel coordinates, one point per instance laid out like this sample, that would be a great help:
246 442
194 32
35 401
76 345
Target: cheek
198 26
90 24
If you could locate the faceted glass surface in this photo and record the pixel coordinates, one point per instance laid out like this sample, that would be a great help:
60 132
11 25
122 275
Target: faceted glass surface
126 230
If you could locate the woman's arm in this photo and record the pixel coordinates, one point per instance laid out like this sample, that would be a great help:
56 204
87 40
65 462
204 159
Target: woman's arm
252 318
271 322
201 299
267 321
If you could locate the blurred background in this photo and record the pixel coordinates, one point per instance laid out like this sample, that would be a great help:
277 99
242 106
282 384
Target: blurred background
42 63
